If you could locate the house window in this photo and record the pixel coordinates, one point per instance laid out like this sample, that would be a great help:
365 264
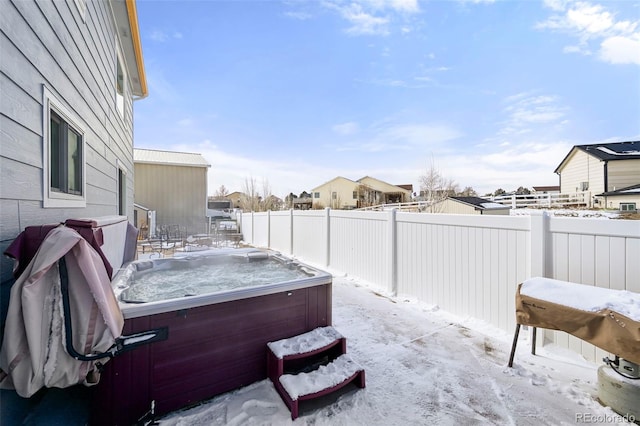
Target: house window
316 195
120 81
627 207
584 186
355 195
122 192
334 195
64 156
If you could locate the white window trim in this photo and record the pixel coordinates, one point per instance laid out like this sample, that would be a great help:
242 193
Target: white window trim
53 199
120 100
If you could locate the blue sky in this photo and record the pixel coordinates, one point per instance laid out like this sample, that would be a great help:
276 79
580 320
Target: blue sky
294 93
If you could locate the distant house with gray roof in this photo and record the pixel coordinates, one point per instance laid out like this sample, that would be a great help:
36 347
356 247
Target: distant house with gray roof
601 168
471 205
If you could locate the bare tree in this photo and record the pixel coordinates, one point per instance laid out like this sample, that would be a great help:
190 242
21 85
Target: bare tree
250 200
435 188
221 193
266 197
366 195
468 192
257 200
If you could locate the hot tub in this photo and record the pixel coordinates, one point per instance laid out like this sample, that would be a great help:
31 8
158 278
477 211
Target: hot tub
217 329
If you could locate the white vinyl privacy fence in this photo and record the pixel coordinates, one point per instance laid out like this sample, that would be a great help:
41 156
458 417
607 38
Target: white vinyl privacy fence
469 265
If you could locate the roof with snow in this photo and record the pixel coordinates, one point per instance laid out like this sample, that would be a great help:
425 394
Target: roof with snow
171 158
481 203
612 151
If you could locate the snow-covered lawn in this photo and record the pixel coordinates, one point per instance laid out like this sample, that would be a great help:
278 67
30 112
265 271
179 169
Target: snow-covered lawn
425 367
580 213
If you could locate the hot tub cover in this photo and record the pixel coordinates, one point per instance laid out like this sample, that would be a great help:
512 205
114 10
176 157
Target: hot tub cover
605 318
33 352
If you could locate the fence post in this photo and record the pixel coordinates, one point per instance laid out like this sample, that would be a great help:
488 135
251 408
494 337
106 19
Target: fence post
541 257
393 253
269 228
291 232
540 245
252 227
327 227
514 205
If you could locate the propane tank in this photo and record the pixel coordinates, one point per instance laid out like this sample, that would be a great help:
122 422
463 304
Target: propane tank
619 387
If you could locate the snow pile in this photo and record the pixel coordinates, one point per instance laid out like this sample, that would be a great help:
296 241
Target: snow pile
325 377
583 297
580 213
303 343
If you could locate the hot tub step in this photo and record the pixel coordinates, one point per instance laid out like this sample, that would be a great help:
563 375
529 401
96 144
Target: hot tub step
311 365
323 381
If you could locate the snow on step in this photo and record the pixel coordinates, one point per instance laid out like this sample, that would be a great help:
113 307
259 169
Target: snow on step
325 377
303 343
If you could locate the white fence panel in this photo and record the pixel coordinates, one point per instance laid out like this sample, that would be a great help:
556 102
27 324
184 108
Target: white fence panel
280 229
261 229
360 245
465 264
310 236
245 221
598 252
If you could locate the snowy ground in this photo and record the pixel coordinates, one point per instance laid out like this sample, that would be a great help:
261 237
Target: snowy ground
425 367
581 213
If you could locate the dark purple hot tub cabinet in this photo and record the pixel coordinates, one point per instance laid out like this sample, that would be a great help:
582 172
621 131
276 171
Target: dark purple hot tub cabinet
216 343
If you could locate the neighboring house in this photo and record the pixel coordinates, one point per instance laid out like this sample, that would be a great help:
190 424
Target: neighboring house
470 205
343 193
302 203
174 185
546 189
600 168
235 198
69 72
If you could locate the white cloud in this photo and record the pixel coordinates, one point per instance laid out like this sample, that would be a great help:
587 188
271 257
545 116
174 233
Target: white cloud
364 23
374 17
157 35
620 50
619 40
525 110
348 128
162 36
403 137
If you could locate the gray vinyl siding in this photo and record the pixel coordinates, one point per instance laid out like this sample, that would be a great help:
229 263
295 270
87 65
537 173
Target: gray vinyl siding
48 43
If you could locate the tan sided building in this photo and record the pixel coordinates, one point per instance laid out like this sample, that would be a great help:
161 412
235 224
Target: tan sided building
174 185
343 193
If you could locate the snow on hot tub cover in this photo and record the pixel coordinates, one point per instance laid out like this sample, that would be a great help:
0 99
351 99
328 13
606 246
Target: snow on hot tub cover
608 319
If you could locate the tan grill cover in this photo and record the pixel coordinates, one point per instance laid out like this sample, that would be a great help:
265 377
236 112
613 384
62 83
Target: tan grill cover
606 329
